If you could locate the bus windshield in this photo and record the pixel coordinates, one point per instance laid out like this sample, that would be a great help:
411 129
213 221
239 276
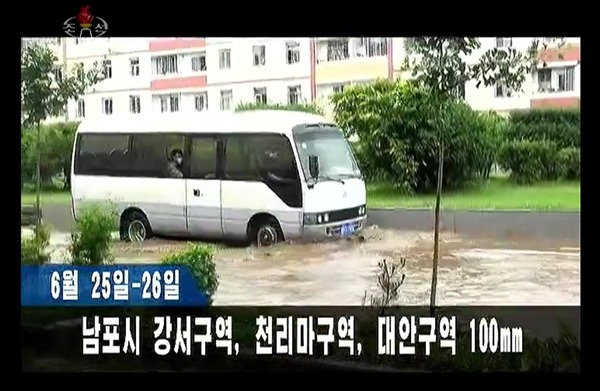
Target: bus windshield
336 161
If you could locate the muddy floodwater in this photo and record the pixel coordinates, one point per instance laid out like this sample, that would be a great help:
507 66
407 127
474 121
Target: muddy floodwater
472 271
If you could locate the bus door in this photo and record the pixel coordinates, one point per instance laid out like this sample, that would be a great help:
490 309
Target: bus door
203 188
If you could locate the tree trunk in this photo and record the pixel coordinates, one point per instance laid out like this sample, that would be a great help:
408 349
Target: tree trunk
38 181
436 229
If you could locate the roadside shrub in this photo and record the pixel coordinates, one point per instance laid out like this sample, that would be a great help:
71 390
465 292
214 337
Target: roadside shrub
398 126
34 248
569 161
199 259
560 126
91 240
531 161
313 108
56 143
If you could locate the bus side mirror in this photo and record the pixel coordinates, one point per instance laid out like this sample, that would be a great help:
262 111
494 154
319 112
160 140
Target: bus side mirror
313 166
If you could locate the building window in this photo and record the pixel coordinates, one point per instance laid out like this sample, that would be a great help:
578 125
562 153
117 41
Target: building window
260 95
293 52
199 62
169 103
338 88
294 95
556 79
226 99
201 101
107 106
502 91
107 69
503 42
58 74
225 59
371 47
80 71
566 79
259 54
337 50
80 108
134 66
165 65
134 104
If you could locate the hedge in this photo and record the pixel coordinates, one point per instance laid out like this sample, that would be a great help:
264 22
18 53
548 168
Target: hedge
542 144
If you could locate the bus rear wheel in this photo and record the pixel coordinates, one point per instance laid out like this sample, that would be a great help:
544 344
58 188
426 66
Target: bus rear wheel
266 232
135 227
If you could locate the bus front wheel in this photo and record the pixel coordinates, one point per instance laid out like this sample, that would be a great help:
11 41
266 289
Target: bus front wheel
135 227
265 232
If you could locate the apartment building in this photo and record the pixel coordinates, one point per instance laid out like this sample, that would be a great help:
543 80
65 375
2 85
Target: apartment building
196 74
555 83
185 74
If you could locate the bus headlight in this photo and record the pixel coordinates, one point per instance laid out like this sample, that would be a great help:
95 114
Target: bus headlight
315 218
362 211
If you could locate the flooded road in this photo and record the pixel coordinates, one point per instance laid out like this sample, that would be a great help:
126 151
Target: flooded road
472 271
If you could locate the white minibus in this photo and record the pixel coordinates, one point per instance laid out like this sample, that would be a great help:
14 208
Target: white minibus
262 176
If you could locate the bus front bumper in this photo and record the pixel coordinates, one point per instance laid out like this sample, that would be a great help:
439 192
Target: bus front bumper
333 230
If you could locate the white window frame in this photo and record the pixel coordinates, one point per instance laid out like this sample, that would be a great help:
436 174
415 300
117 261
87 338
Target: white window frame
107 69
107 106
501 90
551 82
134 66
224 59
169 103
165 65
226 100
259 55
135 104
260 95
201 101
199 62
294 94
292 52
504 42
338 49
80 113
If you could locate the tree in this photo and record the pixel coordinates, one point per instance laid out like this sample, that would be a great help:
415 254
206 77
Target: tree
440 65
45 93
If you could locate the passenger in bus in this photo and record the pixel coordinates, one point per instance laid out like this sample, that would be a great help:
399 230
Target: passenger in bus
175 164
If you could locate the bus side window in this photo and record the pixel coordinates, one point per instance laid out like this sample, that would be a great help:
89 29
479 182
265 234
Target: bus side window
274 155
203 161
151 153
239 159
102 154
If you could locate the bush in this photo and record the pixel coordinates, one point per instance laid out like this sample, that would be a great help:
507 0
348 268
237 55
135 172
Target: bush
56 142
398 127
199 258
559 126
33 249
312 108
569 161
91 241
531 161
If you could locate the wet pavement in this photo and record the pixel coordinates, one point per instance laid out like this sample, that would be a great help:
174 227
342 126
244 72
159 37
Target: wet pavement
473 271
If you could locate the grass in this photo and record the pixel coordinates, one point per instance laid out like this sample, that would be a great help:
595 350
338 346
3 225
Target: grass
496 194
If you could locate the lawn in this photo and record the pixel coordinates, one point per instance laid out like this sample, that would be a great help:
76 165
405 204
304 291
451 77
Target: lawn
498 193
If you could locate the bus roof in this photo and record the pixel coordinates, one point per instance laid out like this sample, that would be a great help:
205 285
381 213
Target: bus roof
268 121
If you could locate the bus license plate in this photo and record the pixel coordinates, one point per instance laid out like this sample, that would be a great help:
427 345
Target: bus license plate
347 229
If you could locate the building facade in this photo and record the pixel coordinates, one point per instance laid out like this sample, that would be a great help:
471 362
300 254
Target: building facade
145 75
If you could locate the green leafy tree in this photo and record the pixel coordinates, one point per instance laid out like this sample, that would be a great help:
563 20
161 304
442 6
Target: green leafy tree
440 65
45 93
